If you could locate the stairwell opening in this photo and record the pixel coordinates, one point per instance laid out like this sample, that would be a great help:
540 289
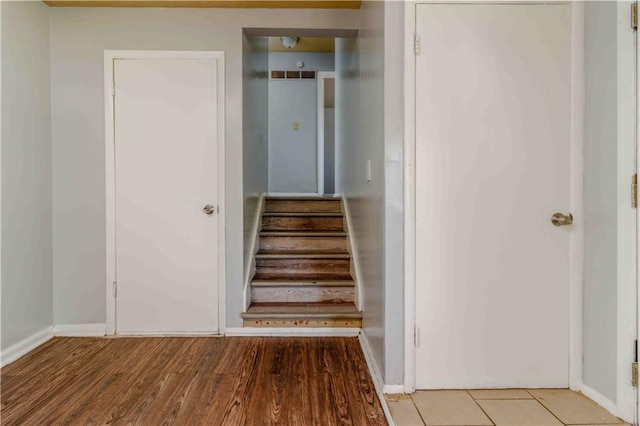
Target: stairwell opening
299 269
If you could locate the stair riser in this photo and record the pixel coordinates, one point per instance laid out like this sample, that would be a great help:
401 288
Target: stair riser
301 294
293 206
304 266
319 244
302 224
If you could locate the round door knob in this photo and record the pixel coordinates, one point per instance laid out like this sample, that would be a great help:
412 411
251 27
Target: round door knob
209 209
560 219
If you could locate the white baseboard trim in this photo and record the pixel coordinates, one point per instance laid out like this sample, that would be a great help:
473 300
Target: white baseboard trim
378 382
169 334
353 250
250 268
12 353
292 332
600 399
393 389
80 330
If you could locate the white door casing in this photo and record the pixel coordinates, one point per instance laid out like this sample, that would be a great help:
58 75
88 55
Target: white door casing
321 77
165 162
493 138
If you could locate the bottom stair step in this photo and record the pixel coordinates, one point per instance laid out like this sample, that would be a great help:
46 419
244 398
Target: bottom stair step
302 315
301 293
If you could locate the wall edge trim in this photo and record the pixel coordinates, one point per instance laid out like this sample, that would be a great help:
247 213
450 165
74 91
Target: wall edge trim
353 250
376 376
249 270
600 399
80 330
393 389
26 345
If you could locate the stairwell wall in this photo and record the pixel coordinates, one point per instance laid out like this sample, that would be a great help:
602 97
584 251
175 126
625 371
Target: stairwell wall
255 128
369 128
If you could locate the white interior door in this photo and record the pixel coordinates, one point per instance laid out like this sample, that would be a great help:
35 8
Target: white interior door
492 145
166 148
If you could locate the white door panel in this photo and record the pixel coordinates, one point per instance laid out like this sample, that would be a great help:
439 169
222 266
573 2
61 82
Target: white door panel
493 134
165 167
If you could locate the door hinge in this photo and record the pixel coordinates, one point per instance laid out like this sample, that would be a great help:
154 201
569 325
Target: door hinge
115 289
634 191
634 16
416 44
416 337
113 88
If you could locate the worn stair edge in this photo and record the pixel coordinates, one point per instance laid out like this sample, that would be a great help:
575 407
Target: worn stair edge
303 310
318 283
303 323
302 214
336 234
302 198
299 277
300 315
294 255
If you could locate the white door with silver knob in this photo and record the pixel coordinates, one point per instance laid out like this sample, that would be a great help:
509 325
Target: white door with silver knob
166 230
493 132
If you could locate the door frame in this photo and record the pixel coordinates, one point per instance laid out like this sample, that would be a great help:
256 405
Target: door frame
576 185
109 57
321 77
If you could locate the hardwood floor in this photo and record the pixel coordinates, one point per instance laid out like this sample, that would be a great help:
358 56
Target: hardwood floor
191 381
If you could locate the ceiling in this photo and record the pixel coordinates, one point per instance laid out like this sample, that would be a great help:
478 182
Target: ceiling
256 4
306 44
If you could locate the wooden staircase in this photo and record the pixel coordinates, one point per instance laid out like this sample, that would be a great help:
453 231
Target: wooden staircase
303 276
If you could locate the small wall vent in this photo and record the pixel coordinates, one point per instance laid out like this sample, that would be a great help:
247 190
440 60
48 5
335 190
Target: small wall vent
293 75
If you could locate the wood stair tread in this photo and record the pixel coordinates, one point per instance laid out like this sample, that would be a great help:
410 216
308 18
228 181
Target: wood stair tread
302 214
302 283
302 255
286 310
302 266
301 198
290 276
303 234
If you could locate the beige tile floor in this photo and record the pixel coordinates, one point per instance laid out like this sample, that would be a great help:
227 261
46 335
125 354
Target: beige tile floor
514 407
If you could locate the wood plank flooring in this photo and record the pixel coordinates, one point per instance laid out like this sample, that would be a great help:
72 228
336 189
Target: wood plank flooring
191 381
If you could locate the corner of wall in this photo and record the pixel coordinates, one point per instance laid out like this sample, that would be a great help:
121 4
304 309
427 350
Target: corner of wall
27 287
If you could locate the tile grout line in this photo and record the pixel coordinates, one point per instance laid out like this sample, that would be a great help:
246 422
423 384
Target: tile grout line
479 406
416 407
545 407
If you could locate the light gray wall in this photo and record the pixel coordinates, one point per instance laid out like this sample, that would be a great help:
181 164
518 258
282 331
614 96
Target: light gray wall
360 137
78 38
609 278
293 154
627 260
369 123
27 286
255 110
600 296
394 193
329 150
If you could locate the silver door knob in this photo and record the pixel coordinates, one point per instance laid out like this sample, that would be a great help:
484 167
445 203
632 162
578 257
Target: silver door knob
209 209
560 219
